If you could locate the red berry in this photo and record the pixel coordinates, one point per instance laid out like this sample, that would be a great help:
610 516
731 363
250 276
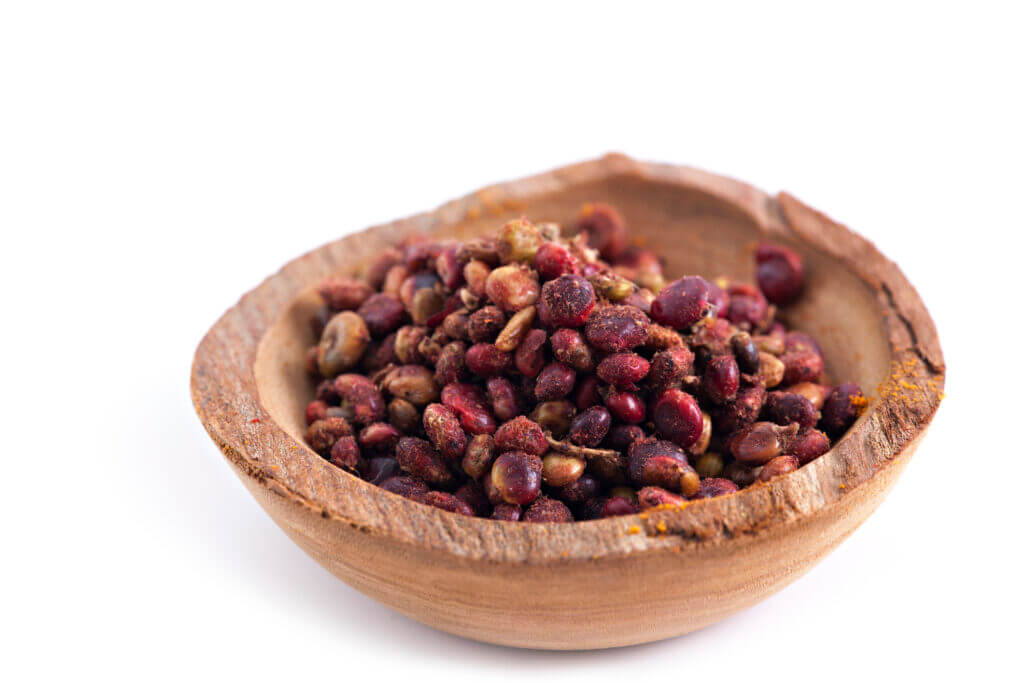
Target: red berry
780 273
682 302
678 417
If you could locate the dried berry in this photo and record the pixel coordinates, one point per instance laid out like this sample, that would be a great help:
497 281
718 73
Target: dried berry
780 273
345 454
379 438
748 308
529 355
322 434
381 265
476 273
414 383
521 434
710 488
504 512
590 426
721 379
443 429
403 415
808 445
566 301
760 442
486 360
783 464
623 370
382 313
678 417
709 465
503 397
770 370
626 407
382 468
815 393
519 241
682 302
362 396
315 410
472 494
512 287
555 381
342 345
447 502
547 510
421 460
554 416
605 229
480 453
785 408
669 367
617 328
516 476
553 259
621 436
407 344
579 491
748 358
558 469
802 358
650 497
587 393
407 487
569 347
468 403
662 463
842 408
485 324
451 364
343 293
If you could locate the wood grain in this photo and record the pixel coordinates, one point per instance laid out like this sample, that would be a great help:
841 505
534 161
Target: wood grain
600 583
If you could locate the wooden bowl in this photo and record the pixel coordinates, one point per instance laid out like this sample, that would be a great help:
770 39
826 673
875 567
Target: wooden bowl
609 582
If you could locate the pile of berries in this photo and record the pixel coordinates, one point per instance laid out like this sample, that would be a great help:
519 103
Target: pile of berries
533 377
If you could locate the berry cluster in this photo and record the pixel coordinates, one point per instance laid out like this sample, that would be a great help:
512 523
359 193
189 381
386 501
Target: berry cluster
532 377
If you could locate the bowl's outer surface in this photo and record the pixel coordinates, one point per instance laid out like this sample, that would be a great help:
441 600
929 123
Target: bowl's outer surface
605 583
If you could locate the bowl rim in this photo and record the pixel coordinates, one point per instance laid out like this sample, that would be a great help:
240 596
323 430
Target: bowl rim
226 396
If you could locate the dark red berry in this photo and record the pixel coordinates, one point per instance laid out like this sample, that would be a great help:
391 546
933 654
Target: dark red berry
808 445
382 313
747 307
780 273
486 360
682 302
568 301
516 477
721 379
467 401
547 510
677 417
626 407
555 381
605 229
529 355
842 408
623 370
662 463
711 487
590 426
617 328
553 259
784 408
521 434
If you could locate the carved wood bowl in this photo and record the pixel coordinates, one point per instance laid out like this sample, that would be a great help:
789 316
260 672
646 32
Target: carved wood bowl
609 582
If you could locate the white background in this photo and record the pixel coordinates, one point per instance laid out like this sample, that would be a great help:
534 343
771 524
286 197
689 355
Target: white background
159 159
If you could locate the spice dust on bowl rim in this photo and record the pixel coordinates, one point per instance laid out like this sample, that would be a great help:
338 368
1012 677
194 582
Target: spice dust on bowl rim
615 581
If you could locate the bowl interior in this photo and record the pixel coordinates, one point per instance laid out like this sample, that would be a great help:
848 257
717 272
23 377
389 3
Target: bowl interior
694 231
